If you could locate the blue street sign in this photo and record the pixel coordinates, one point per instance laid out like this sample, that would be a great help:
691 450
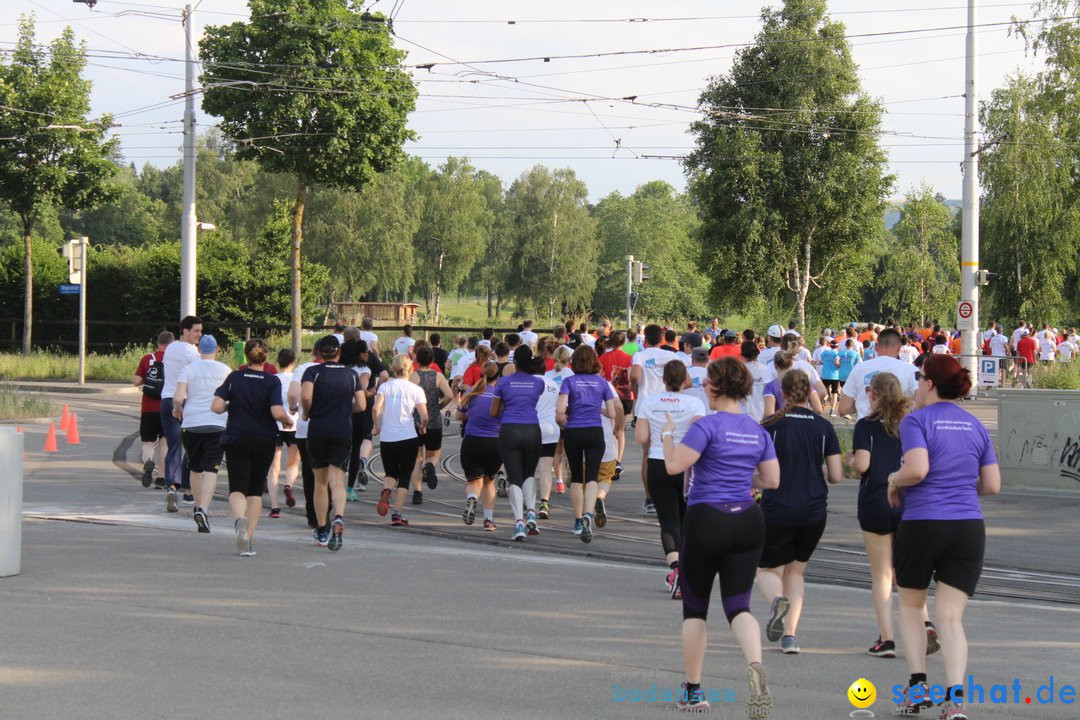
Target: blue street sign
69 289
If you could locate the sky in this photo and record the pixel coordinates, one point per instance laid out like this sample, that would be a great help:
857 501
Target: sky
910 55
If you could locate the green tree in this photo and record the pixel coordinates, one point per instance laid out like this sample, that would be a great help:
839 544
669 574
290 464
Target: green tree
129 218
553 261
52 154
657 226
493 269
787 171
313 89
919 277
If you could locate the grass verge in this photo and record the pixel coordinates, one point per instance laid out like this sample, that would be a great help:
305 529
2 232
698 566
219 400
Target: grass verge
16 405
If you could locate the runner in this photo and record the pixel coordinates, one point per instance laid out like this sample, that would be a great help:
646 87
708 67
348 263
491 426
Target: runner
949 461
849 357
723 530
773 338
560 356
527 335
480 458
830 375
1065 350
455 355
698 374
667 490
403 345
439 354
754 404
178 355
773 400
515 402
909 352
352 358
647 379
285 443
853 396
200 426
395 404
583 397
330 394
795 513
150 378
549 439
307 473
616 365
438 395
367 334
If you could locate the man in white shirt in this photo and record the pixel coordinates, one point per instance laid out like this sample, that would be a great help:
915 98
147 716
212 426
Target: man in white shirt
908 352
404 344
1047 347
178 355
754 404
1018 332
368 335
853 397
527 335
647 379
772 344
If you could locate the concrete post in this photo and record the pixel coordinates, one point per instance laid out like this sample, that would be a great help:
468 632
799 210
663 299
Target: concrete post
11 493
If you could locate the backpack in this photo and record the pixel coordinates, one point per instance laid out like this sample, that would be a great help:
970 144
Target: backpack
620 380
154 380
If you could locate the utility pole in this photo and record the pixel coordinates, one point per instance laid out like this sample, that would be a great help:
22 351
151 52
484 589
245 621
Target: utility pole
969 249
188 223
629 291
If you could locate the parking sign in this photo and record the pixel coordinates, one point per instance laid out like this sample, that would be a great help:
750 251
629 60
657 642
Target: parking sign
988 372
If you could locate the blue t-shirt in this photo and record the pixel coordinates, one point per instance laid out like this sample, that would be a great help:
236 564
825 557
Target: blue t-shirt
335 385
958 446
803 439
848 360
250 395
731 446
479 422
519 393
829 369
586 395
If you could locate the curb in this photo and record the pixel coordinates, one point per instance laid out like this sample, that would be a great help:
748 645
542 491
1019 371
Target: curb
118 389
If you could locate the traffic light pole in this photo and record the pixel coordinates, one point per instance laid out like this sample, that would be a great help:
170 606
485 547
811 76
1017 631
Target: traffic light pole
969 247
629 291
84 243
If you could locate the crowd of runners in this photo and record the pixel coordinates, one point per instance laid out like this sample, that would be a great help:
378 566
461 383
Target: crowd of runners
737 455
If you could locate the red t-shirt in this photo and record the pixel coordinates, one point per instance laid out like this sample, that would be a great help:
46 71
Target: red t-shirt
268 368
549 363
472 375
613 359
149 404
725 350
1025 348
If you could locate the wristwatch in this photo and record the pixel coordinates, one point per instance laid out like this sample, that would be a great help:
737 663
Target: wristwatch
667 434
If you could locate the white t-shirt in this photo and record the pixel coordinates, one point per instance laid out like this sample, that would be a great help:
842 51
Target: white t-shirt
203 377
1047 348
909 354
286 378
1066 350
403 344
557 376
989 334
864 372
485 343
588 340
940 350
768 355
529 337
400 398
815 357
463 364
1016 334
698 376
683 409
652 362
807 368
301 423
611 445
803 355
178 355
999 345
684 358
754 404
545 412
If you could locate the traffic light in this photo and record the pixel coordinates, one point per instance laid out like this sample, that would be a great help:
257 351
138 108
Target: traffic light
73 251
641 272
984 277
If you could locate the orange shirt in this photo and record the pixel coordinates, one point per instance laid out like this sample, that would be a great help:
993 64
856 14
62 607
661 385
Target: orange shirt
868 335
955 345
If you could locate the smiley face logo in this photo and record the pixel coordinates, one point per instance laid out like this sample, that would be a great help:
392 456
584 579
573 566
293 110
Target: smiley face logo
862 693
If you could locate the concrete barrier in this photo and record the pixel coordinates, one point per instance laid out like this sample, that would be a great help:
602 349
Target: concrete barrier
1039 438
11 492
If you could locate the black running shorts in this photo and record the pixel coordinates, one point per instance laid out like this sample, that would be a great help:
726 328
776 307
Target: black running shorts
949 551
432 439
204 451
328 452
399 459
785 544
480 457
150 426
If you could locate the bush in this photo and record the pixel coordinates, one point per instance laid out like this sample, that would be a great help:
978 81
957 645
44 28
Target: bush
1059 376
16 405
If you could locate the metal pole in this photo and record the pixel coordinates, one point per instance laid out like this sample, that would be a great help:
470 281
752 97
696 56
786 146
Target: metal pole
84 243
629 291
969 252
188 229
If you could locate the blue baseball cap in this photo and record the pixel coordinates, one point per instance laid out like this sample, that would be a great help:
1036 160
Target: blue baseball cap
207 345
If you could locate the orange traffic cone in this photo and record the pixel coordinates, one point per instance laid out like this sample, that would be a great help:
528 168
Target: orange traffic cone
73 430
50 439
64 418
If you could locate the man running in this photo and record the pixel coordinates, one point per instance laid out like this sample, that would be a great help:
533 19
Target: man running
853 397
150 377
646 380
177 356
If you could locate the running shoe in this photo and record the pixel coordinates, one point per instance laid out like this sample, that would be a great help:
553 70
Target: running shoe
189 499
242 539
290 499
275 513
774 629
200 521
500 484
383 506
337 530
519 531
648 507
913 707
672 582
759 703
578 526
601 513
398 520
430 478
586 528
322 537
883 648
618 471
159 483
147 473
249 551
692 701
932 643
470 511
170 501
361 474
560 486
530 523
953 711
360 486
543 510
446 419
490 526
789 645
417 498
350 495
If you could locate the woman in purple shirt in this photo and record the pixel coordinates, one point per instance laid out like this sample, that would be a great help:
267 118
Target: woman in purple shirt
583 397
948 462
519 436
480 457
723 531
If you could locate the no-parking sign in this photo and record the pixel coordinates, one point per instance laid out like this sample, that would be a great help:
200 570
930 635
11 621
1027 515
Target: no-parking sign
965 315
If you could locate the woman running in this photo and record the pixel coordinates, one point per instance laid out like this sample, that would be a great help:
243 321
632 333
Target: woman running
549 437
583 397
876 454
399 444
773 396
252 398
723 530
515 401
560 370
286 440
667 490
360 442
795 513
949 462
438 394
480 447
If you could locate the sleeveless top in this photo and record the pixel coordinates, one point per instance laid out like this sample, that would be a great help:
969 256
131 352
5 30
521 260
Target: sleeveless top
430 385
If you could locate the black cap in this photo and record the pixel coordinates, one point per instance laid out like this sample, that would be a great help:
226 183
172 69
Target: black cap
328 346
